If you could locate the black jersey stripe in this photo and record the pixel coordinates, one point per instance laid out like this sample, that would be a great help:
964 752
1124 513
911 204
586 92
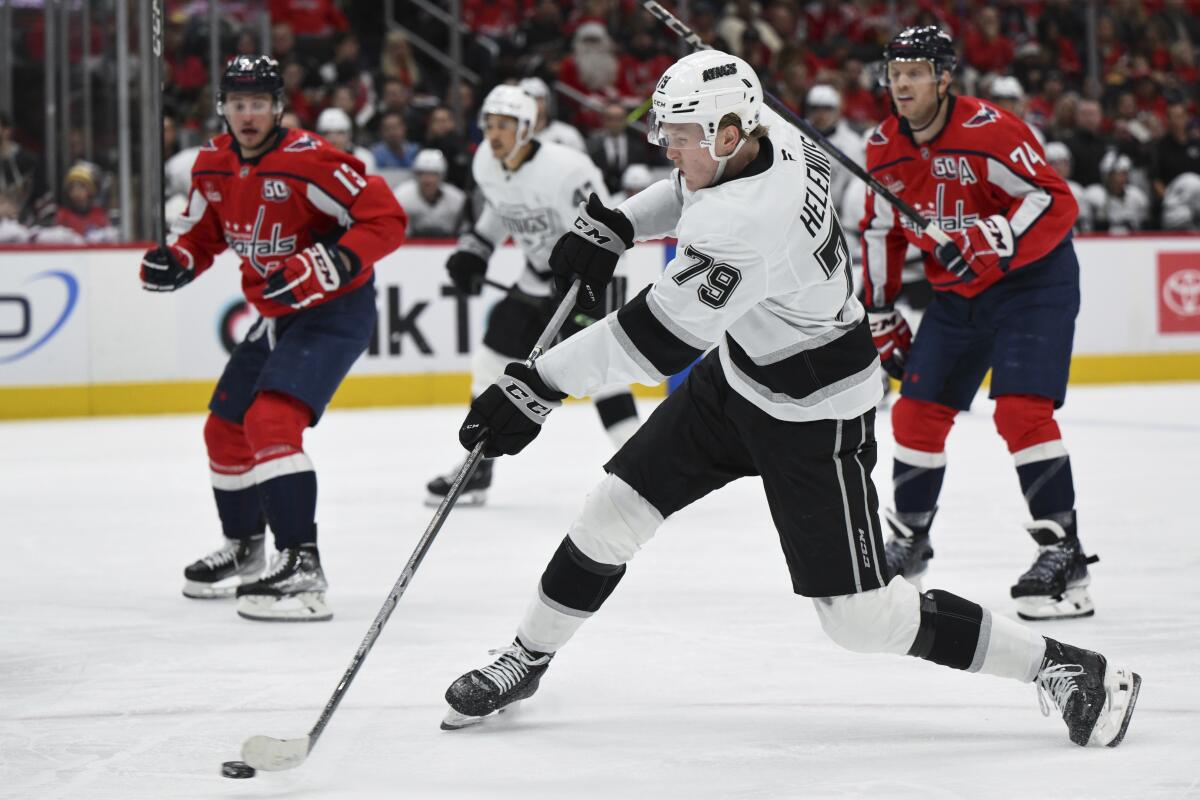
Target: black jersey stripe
801 375
654 343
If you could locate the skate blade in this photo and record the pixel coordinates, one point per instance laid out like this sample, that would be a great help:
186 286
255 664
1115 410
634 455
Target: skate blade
473 498
302 607
1121 688
455 721
1075 602
219 590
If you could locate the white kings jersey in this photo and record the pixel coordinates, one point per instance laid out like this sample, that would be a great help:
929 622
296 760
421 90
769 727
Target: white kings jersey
535 204
762 271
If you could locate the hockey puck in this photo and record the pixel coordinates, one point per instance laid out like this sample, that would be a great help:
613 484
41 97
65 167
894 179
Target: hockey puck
237 769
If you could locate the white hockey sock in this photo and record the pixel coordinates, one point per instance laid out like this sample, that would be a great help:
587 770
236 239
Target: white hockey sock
1012 650
547 625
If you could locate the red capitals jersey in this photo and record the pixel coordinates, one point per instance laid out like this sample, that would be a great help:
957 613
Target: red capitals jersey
301 191
985 161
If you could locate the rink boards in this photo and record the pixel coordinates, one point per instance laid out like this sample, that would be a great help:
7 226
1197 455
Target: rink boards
78 336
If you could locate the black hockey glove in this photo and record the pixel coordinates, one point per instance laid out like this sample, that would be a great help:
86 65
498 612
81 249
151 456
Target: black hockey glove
590 251
510 412
163 269
468 264
308 276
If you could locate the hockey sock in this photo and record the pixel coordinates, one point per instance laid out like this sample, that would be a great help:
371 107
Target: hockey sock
241 512
959 634
231 465
275 427
572 588
916 483
1047 482
919 466
1026 422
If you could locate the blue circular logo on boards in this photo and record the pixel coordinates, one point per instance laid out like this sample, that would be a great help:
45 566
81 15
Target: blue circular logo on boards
23 325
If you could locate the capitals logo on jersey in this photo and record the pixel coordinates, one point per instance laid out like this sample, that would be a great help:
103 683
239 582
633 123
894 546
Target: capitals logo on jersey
986 115
254 247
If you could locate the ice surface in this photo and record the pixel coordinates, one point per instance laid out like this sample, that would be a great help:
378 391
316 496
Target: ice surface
703 677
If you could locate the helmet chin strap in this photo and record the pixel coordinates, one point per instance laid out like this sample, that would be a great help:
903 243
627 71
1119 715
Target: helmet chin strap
722 161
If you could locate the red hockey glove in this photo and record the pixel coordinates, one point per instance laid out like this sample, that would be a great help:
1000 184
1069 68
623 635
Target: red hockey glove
165 269
893 340
986 245
308 276
509 414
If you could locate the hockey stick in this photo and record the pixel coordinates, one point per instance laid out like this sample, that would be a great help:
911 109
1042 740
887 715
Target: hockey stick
927 226
156 103
268 753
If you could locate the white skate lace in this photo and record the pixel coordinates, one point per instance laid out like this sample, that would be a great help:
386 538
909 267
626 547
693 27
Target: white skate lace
279 562
1055 684
220 558
512 665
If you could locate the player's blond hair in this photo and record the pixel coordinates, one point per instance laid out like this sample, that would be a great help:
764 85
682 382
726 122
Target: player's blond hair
734 119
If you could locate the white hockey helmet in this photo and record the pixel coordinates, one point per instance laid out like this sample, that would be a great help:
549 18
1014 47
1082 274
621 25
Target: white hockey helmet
511 101
703 87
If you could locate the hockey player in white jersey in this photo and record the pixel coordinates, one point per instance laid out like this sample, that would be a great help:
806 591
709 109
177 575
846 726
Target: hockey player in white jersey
532 189
788 393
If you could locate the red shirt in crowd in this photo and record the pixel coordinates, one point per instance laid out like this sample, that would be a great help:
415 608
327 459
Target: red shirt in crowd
309 17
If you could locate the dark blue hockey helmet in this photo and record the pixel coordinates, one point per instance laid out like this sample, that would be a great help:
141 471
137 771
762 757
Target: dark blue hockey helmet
925 43
251 74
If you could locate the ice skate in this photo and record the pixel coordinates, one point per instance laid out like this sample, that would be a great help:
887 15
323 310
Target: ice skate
219 573
1095 698
474 491
1055 587
908 552
500 686
292 590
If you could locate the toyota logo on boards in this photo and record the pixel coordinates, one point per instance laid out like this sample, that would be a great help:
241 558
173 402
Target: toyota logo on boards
1179 292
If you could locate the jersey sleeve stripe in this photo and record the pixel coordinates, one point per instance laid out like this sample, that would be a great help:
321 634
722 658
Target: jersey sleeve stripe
197 205
1035 200
327 205
814 375
648 342
891 163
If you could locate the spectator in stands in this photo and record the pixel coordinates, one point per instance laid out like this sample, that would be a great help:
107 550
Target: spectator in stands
1058 156
397 61
434 207
338 130
591 70
79 210
1176 152
21 175
743 17
313 18
441 133
346 98
289 119
346 69
1006 92
644 64
823 108
862 107
1086 143
394 150
294 94
637 177
1179 21
614 147
984 46
11 229
1181 203
1117 206
549 129
283 42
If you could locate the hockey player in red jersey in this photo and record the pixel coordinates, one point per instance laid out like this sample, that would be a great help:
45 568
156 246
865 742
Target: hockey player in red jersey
1006 297
309 226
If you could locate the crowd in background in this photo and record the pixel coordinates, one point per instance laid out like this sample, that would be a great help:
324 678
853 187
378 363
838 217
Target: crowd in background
1129 140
